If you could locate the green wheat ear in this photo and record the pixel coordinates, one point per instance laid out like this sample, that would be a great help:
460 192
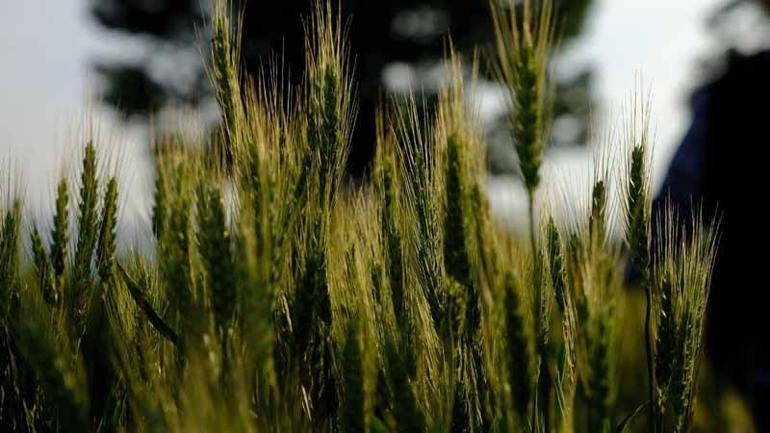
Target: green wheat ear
353 408
215 250
9 256
523 47
224 75
556 265
42 263
665 343
639 211
60 231
105 255
88 229
682 280
330 98
597 223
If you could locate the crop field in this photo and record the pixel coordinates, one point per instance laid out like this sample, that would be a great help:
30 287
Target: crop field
278 297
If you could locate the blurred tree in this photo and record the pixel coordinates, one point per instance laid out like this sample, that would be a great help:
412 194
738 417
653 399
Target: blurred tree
389 39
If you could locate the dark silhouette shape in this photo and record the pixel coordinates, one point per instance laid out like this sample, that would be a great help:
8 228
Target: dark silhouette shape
722 163
380 32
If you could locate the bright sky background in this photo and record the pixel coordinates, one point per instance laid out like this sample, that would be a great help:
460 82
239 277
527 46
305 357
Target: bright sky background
46 47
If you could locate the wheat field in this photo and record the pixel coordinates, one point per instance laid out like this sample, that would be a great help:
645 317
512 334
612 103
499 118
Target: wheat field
277 297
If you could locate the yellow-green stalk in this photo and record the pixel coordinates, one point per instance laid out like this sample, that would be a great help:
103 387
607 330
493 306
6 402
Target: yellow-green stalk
519 355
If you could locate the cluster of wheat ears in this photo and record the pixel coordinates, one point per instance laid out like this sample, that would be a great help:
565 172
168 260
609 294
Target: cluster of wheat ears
278 298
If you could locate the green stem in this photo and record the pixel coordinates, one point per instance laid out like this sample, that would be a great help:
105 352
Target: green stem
531 209
648 343
544 376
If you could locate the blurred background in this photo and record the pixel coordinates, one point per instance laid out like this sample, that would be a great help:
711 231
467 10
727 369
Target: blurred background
117 64
115 67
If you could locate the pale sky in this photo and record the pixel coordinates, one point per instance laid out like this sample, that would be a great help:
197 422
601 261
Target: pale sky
46 47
